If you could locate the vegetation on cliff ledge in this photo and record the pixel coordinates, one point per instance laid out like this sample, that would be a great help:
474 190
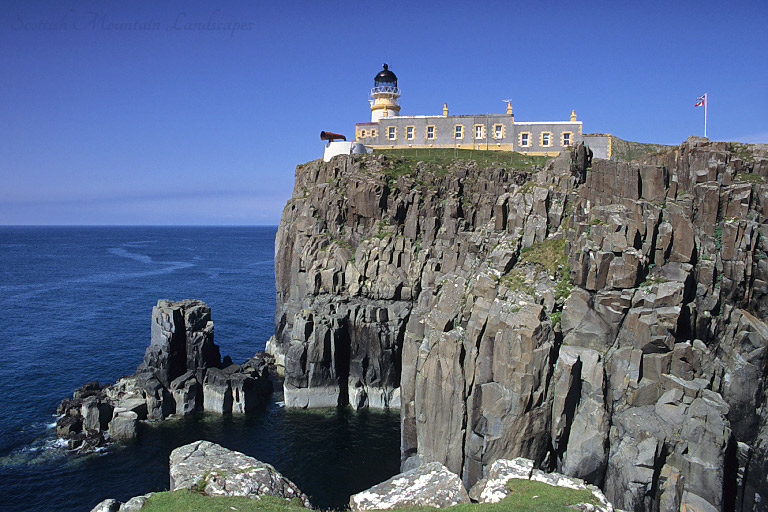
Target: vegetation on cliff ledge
442 159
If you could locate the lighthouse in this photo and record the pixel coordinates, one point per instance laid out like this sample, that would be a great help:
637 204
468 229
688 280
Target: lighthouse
384 95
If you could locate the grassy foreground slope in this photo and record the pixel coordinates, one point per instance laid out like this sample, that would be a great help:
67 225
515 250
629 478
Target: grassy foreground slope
526 496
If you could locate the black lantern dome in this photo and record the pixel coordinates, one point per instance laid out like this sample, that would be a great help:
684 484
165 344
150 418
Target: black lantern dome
385 78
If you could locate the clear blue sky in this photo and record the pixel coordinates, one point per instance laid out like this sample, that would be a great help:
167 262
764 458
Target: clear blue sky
130 112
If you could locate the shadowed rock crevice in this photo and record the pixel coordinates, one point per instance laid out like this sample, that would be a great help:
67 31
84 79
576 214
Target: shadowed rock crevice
572 399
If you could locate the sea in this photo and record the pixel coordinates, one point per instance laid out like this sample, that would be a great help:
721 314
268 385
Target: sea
75 306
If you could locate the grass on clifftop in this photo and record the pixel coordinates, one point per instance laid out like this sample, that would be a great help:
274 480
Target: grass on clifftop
527 496
190 501
485 159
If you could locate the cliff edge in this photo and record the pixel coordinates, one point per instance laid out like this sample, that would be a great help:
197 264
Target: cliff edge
604 319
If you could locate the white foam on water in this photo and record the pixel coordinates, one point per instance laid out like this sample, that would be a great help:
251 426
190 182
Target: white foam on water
119 251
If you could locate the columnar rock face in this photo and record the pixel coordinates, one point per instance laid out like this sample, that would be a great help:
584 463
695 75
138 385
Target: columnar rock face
606 320
181 373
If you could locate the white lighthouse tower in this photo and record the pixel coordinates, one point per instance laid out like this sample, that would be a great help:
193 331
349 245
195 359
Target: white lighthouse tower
384 95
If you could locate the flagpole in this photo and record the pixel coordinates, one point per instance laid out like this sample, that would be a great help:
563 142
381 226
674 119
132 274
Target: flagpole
706 102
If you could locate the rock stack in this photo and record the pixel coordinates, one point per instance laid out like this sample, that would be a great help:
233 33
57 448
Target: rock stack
182 372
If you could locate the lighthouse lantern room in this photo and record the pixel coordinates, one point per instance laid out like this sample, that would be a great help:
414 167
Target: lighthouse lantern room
384 95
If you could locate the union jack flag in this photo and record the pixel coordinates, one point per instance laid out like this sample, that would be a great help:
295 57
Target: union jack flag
701 100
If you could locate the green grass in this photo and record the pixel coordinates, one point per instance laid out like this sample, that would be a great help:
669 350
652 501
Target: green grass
563 285
382 229
526 496
652 281
516 282
549 255
718 237
626 150
747 177
190 501
441 158
742 151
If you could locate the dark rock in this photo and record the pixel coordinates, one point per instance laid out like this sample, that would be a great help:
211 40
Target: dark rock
96 413
187 393
182 340
69 425
217 392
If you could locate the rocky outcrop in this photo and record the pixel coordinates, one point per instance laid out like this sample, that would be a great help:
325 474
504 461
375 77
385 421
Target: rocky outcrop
604 319
493 488
132 505
181 373
430 485
216 471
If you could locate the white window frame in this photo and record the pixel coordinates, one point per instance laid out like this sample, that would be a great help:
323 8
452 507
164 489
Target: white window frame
430 136
392 132
410 132
567 135
479 131
458 131
525 140
548 137
498 131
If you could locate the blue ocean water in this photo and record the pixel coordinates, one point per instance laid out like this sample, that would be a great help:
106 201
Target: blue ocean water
75 305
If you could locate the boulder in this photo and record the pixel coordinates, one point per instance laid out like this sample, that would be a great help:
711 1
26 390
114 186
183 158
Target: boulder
429 485
123 425
215 470
132 505
493 488
108 505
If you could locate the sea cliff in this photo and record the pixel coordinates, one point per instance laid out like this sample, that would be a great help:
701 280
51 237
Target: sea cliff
603 319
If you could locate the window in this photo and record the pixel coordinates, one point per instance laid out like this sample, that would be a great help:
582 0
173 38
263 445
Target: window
362 133
409 132
479 131
525 139
392 133
458 131
546 139
431 132
498 131
373 133
567 139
